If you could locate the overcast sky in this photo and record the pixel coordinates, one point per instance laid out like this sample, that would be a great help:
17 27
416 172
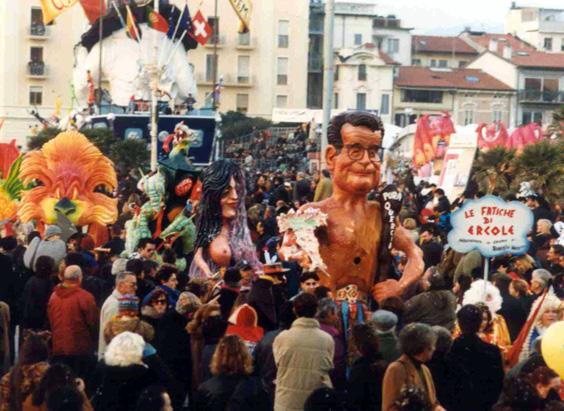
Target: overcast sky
448 17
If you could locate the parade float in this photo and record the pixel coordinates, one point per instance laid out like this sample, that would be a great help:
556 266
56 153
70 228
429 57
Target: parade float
69 176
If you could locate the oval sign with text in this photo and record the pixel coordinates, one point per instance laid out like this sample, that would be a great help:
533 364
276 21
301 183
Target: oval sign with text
492 226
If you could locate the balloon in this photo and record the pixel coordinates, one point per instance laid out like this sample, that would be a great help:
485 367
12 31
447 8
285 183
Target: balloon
552 347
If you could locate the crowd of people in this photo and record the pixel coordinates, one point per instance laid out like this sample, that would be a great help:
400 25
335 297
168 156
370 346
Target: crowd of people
87 328
269 152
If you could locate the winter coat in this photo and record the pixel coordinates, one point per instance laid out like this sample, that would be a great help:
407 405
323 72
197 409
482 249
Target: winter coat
226 300
171 341
73 317
432 307
231 393
365 384
338 377
389 346
265 367
119 388
109 310
56 249
120 324
323 190
450 380
304 357
483 363
404 372
35 299
28 404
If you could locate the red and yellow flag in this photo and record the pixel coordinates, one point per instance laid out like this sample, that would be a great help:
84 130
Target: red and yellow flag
156 21
53 8
131 25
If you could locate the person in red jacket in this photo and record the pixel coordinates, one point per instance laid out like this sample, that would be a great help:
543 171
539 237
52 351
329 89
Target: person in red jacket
73 317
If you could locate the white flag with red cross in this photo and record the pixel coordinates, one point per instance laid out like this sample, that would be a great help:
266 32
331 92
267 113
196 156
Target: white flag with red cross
202 30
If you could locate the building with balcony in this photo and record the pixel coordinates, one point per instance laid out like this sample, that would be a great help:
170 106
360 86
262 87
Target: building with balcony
36 63
470 95
542 28
260 70
355 25
364 80
441 52
537 76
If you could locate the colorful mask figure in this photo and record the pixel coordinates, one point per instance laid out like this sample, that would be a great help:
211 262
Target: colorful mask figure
10 183
69 175
138 227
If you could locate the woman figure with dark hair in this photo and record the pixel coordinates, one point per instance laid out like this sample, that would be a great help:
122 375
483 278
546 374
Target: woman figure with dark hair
25 376
36 294
232 382
367 372
223 237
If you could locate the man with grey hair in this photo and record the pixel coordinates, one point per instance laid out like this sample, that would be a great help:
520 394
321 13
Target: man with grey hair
73 317
126 283
540 278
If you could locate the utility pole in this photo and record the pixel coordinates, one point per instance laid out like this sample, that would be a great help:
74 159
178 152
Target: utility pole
327 73
154 87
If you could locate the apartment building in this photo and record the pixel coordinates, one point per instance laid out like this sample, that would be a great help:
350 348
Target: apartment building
543 28
36 63
262 69
538 76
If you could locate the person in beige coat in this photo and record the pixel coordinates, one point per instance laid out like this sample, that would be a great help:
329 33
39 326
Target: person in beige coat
303 356
417 343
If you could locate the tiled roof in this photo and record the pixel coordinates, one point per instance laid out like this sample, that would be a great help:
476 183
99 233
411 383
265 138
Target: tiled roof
502 40
462 78
440 44
539 59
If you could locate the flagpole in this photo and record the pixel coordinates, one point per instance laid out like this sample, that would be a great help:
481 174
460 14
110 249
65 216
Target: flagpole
164 45
215 68
154 86
178 43
100 40
327 74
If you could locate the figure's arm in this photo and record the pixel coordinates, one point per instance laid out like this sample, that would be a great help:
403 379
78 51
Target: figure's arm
201 263
413 269
415 265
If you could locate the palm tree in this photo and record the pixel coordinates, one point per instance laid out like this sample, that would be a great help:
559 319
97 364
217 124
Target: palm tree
542 164
556 128
493 170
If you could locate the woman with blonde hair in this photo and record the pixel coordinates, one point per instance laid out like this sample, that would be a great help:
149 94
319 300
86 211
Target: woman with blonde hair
231 381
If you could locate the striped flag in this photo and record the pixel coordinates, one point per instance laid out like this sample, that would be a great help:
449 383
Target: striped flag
132 25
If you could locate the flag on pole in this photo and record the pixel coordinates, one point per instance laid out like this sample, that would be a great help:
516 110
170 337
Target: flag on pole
156 21
92 9
202 29
243 8
53 8
131 25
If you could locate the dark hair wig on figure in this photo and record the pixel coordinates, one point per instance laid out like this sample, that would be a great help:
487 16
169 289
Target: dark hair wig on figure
354 118
215 181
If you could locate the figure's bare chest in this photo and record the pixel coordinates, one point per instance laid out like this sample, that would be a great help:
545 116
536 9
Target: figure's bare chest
349 246
220 252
